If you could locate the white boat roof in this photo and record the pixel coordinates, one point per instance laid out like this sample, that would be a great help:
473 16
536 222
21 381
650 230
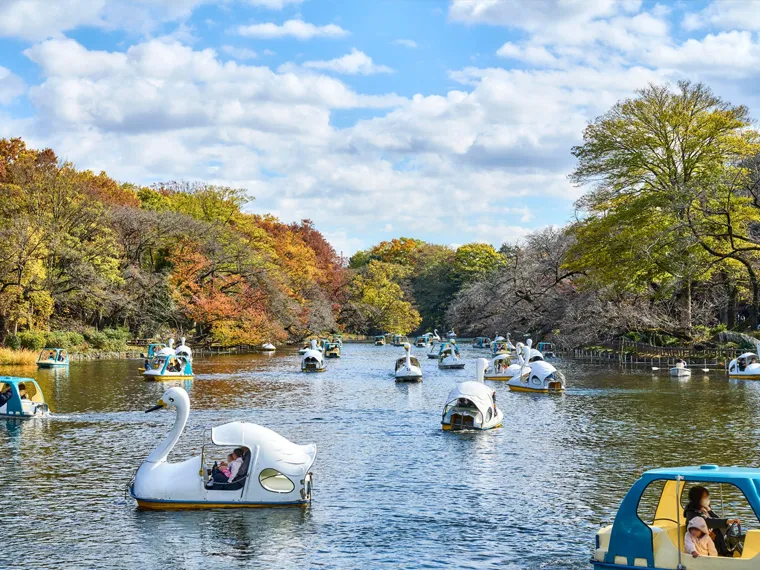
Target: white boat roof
748 355
502 357
274 450
477 392
166 351
311 353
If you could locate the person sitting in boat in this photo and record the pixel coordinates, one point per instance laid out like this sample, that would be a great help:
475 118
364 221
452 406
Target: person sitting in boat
5 395
22 391
697 541
62 357
236 472
699 506
173 366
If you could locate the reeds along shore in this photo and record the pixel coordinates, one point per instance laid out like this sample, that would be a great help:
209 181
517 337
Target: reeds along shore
22 357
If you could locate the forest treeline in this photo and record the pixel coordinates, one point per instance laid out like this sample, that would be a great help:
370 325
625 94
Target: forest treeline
665 244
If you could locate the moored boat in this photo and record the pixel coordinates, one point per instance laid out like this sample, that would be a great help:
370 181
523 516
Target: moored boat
408 368
21 398
680 369
273 471
52 358
471 405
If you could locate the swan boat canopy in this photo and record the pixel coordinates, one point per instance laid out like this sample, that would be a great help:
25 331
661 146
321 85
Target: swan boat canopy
421 342
501 368
168 365
408 368
746 366
268 347
501 346
380 340
481 342
338 339
332 350
547 349
313 359
655 538
154 347
536 375
448 356
399 340
52 358
472 405
21 398
274 472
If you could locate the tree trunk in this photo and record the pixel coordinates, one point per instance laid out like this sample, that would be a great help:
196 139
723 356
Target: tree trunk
686 307
755 297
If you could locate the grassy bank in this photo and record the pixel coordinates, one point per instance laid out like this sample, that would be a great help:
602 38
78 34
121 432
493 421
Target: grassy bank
21 357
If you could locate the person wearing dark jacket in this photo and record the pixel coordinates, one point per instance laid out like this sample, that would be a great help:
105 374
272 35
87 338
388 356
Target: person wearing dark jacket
699 506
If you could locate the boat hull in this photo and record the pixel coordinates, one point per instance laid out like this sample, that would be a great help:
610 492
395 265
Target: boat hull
151 505
450 427
413 378
536 390
458 366
744 376
52 364
313 370
166 377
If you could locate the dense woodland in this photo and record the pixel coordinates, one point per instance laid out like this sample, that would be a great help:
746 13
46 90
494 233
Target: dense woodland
665 246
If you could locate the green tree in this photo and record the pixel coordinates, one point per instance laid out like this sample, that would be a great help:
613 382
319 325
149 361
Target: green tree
645 160
474 261
379 299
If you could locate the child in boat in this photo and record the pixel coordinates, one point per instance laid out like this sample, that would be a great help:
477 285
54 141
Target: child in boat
697 541
224 467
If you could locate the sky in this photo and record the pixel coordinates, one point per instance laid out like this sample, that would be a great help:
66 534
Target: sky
450 121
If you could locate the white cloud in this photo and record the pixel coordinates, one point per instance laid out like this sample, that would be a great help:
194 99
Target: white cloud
239 53
273 4
11 86
725 14
356 62
41 19
406 43
292 28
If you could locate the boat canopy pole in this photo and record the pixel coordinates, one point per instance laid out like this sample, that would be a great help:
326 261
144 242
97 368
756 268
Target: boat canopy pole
678 518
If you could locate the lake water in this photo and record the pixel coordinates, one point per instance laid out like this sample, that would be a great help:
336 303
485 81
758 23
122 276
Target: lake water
390 488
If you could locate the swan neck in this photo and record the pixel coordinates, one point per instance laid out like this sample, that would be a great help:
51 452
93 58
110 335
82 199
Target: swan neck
164 448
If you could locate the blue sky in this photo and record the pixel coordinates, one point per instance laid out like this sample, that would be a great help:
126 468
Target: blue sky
450 121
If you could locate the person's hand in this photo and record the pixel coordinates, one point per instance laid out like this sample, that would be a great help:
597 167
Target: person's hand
732 521
695 554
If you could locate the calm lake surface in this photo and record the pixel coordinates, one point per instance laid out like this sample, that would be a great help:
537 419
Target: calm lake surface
390 488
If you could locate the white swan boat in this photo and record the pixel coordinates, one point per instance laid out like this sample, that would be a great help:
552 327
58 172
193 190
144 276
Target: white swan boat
268 347
408 368
502 368
313 359
746 366
448 356
472 405
274 472
536 375
380 340
436 336
680 370
183 349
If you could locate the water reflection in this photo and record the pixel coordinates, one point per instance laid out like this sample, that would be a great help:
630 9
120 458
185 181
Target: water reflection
391 489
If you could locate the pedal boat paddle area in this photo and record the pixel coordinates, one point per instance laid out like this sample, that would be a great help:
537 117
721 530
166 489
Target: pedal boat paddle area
650 527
